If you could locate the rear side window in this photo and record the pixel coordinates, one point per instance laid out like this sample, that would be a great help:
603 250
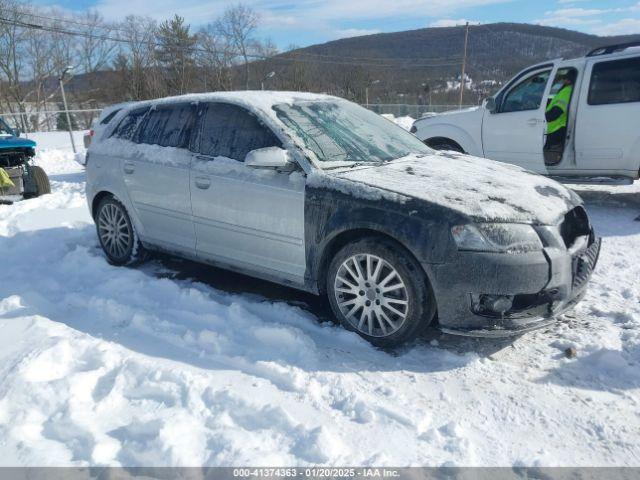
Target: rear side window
168 126
231 131
617 81
109 117
128 126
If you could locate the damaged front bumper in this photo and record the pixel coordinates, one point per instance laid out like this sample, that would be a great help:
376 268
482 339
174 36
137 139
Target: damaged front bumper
499 295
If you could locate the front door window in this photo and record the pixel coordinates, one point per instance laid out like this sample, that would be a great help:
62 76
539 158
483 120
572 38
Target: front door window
526 95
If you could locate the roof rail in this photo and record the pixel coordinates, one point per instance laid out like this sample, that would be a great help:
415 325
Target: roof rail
612 48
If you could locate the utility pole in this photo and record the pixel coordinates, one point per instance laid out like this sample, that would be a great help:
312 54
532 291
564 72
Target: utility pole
62 79
267 77
366 91
464 63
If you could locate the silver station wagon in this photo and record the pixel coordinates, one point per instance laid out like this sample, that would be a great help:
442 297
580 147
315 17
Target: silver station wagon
320 194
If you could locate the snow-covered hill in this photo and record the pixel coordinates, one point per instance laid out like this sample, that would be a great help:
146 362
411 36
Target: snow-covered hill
135 366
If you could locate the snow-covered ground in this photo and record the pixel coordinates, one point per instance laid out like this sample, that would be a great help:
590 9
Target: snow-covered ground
145 366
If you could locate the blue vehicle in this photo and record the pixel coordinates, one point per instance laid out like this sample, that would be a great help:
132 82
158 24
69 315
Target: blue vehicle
16 155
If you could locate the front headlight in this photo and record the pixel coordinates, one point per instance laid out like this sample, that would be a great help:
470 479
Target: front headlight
497 237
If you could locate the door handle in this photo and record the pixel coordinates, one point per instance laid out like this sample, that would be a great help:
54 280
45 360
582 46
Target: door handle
533 122
202 182
128 167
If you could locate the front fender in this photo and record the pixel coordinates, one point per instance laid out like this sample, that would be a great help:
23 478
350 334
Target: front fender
419 228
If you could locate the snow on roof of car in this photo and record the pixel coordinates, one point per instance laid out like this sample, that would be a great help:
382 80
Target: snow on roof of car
257 100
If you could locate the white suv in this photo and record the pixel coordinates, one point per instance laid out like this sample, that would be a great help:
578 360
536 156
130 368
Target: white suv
602 134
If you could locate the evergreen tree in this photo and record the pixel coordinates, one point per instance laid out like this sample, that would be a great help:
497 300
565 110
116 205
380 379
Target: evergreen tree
175 54
61 120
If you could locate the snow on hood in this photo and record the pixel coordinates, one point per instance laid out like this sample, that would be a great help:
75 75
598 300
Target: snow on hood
478 188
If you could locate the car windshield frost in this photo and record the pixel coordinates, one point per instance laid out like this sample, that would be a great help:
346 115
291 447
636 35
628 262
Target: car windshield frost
344 133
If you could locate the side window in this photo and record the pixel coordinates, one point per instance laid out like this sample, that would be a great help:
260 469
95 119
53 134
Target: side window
526 95
109 117
231 131
128 126
177 129
168 126
616 81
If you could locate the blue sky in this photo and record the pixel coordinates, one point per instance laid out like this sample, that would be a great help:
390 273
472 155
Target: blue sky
304 22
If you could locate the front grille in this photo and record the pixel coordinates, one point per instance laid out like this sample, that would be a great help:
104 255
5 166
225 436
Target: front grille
584 264
574 225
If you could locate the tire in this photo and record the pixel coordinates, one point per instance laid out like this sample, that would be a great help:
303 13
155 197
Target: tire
116 234
444 144
405 311
41 182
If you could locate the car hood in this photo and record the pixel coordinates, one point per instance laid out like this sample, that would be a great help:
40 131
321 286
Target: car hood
465 112
15 142
478 188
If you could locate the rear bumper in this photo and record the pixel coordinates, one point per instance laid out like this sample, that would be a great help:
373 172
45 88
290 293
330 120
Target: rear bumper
541 285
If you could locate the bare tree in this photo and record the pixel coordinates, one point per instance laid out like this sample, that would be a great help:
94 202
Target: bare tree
95 48
39 54
215 59
65 46
265 50
139 33
238 25
12 59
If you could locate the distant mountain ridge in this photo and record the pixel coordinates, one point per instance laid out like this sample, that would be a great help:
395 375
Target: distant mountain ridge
410 67
499 47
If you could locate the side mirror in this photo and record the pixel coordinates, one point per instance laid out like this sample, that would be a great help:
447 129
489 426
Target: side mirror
269 157
17 132
490 104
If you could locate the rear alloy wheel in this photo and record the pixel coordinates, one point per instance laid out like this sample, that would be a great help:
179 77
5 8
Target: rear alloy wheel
116 234
378 290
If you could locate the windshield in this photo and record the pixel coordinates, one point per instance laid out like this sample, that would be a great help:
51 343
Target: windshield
343 133
5 130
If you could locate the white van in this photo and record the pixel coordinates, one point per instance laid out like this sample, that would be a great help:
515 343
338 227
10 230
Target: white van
602 142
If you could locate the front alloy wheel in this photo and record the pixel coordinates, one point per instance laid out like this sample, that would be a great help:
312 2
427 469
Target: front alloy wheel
371 295
377 289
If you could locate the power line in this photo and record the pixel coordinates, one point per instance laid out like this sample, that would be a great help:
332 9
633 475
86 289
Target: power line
113 27
73 22
290 57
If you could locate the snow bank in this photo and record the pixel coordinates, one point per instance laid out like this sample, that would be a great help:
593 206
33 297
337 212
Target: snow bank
127 366
405 122
57 140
